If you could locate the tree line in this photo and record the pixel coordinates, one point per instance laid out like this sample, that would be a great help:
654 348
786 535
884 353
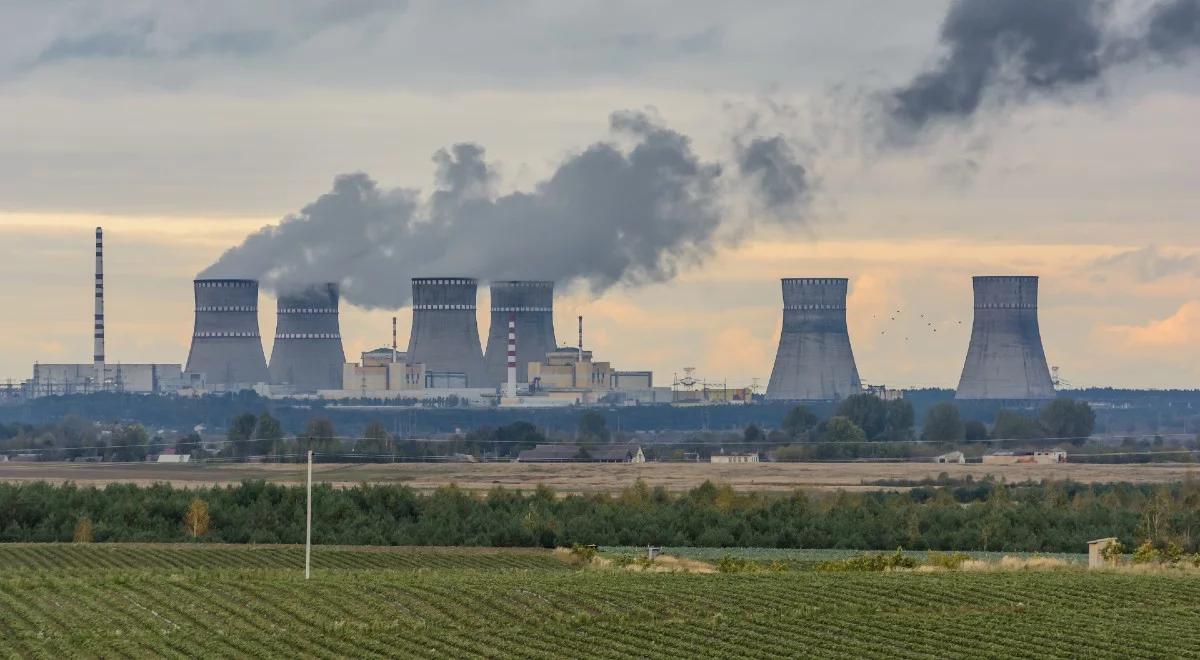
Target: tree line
984 515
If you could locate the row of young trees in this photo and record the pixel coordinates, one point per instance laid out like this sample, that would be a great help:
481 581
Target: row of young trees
1029 517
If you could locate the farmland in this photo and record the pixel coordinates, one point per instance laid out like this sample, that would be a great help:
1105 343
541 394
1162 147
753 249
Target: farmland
455 603
589 477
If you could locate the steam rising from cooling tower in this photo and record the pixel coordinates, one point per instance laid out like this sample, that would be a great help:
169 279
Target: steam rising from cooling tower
1005 360
634 210
532 305
308 353
226 346
814 361
445 333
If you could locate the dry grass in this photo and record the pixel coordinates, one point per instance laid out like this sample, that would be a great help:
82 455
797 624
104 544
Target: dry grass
589 477
661 564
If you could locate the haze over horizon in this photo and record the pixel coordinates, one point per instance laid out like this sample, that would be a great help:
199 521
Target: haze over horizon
1078 162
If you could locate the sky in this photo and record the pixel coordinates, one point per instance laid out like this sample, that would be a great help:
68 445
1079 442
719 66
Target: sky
616 141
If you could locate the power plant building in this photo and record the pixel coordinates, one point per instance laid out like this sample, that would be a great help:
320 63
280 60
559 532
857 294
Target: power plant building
445 332
814 361
1005 360
531 306
226 345
307 355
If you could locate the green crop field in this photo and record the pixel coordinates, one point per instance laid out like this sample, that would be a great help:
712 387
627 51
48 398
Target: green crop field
185 602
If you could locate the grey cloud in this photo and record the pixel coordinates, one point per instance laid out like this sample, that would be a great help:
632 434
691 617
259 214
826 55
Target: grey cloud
607 215
1149 264
1174 28
177 29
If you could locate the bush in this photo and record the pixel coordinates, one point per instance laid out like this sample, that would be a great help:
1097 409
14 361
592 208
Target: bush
951 561
870 562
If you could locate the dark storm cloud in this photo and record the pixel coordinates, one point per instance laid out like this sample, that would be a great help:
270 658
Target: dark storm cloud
606 215
1174 28
1149 264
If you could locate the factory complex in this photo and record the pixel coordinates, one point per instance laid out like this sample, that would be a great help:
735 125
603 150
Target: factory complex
522 363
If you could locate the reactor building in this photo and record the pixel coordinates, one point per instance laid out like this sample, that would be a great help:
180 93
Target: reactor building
814 361
445 332
226 346
307 355
1005 360
531 305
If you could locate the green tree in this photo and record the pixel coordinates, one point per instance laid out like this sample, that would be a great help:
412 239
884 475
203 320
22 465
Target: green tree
512 438
593 428
943 423
1068 419
974 431
268 435
130 443
868 412
798 421
900 419
842 429
319 437
1012 425
376 440
753 435
239 433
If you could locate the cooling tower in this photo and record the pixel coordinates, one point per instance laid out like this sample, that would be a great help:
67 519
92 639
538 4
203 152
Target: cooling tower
814 361
1005 360
308 352
532 303
445 334
226 346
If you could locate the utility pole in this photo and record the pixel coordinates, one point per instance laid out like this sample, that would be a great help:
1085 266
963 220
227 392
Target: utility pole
308 524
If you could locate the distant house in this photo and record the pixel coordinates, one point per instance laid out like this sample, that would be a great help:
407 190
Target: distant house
573 453
734 458
1039 457
952 457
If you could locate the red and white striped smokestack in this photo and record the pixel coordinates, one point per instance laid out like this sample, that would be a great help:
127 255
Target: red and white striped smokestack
394 346
98 335
511 388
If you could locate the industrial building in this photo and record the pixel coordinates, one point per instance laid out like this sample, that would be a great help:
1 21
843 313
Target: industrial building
1039 457
530 304
382 374
308 354
814 361
100 376
1005 359
226 345
445 333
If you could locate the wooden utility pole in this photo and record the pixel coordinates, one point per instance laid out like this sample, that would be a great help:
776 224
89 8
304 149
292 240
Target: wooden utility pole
308 524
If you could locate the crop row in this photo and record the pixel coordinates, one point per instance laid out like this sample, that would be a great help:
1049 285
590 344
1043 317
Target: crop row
552 614
103 557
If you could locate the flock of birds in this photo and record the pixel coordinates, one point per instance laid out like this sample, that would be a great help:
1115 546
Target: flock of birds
929 325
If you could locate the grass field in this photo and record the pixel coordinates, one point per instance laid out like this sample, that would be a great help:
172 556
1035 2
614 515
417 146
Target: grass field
499 603
590 477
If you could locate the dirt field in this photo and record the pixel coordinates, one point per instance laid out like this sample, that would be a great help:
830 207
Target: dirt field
587 477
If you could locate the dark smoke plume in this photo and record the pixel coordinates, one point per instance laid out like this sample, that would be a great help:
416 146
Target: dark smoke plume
1017 49
781 181
607 215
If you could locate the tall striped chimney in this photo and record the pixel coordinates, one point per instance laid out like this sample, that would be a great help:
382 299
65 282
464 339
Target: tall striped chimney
511 389
98 352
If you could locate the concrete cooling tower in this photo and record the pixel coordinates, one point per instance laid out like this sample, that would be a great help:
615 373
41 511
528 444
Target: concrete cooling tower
1005 360
532 303
445 333
814 361
308 353
226 346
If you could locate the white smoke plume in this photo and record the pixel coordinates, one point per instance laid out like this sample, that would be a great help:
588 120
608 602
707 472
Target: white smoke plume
606 215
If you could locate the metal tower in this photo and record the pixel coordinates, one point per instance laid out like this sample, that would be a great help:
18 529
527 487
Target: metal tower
532 303
308 354
1006 360
445 333
814 361
226 346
